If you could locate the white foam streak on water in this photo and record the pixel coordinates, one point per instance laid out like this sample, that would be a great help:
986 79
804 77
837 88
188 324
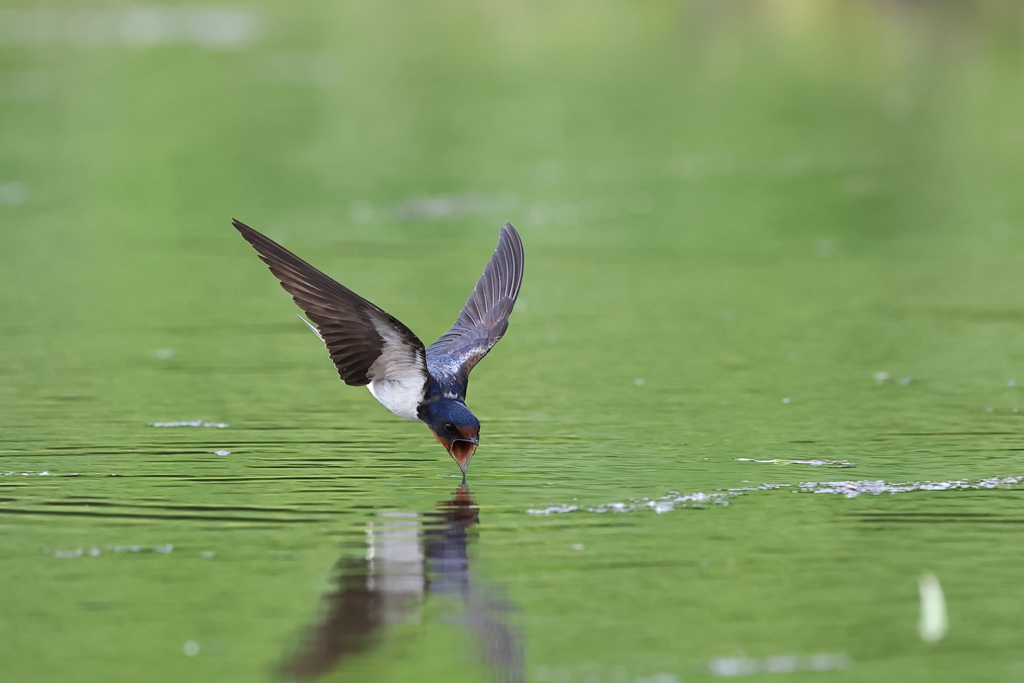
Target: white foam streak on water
849 489
554 510
813 463
746 666
690 500
852 489
760 487
190 423
94 551
666 503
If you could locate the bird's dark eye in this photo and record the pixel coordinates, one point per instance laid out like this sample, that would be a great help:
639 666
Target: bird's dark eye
450 428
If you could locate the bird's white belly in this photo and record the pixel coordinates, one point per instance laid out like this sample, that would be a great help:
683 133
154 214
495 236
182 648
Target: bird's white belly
401 398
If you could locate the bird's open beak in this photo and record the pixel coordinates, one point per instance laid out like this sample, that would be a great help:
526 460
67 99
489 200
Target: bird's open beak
461 449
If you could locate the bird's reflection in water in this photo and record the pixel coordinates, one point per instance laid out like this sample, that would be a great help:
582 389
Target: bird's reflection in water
409 557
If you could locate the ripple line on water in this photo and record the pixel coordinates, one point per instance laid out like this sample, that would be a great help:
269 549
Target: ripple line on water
135 515
186 508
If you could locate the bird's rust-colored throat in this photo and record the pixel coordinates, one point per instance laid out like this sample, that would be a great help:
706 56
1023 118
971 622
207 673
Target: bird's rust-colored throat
461 449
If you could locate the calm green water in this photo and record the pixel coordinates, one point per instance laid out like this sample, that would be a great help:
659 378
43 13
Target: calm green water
777 231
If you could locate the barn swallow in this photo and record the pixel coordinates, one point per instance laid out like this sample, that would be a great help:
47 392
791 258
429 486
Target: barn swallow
374 349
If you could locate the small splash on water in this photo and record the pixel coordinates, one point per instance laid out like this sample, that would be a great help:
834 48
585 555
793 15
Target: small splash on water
222 452
852 489
813 463
779 664
190 423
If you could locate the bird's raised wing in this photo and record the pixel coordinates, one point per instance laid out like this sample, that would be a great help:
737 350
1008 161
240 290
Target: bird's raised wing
484 318
365 343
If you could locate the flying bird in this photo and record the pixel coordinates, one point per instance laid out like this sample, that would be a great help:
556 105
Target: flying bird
374 349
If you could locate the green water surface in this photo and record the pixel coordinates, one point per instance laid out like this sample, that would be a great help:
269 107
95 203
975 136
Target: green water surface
755 231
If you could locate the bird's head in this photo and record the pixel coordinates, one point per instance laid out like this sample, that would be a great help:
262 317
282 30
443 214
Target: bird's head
454 426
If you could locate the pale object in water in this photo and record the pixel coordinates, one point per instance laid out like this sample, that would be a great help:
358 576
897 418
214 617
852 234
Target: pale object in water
933 623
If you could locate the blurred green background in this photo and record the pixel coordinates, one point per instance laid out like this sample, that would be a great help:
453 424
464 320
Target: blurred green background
775 230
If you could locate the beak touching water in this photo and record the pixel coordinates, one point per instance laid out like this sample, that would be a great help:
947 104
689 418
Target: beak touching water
461 448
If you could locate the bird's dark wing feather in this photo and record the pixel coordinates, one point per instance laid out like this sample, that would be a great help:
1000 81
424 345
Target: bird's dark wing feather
484 318
357 333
